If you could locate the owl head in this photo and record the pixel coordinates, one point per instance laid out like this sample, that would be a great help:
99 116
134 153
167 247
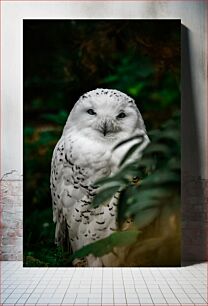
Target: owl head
105 114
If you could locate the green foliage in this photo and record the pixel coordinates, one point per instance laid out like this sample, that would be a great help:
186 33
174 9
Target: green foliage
105 194
106 245
59 118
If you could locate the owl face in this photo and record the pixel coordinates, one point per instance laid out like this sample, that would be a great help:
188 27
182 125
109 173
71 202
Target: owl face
105 114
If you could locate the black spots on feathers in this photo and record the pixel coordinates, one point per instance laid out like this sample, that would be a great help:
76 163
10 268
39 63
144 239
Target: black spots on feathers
110 208
130 101
92 194
100 222
112 215
80 178
102 229
86 217
85 211
59 214
84 186
112 229
94 187
68 161
101 213
86 202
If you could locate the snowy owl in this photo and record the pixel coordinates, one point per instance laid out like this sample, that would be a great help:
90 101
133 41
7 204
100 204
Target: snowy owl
99 120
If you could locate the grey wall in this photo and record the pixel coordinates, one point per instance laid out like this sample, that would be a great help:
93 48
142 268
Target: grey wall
194 108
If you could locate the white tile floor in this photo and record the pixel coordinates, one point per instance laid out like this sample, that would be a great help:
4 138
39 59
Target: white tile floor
97 286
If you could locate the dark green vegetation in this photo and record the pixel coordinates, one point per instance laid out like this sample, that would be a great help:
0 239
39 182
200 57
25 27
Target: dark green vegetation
63 60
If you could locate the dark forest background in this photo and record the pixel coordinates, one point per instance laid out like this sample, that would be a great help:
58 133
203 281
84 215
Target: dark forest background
63 59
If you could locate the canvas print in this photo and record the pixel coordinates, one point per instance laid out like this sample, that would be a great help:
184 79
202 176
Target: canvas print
102 143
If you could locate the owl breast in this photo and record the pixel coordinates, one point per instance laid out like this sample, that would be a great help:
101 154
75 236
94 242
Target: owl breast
94 157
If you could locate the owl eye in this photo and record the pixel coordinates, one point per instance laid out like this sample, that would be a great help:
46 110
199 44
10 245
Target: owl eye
91 112
121 115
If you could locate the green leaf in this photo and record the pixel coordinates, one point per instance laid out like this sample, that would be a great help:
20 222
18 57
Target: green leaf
110 78
160 178
157 148
104 195
174 164
122 203
146 217
170 135
146 198
135 90
106 245
59 118
129 153
112 180
141 136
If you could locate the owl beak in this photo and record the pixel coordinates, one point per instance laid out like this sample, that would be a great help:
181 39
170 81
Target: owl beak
106 127
105 130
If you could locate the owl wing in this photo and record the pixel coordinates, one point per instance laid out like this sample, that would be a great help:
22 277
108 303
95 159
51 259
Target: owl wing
69 184
57 168
64 190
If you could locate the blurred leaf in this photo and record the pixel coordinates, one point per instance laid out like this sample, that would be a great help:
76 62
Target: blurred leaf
135 90
106 245
148 197
160 178
59 118
111 78
128 140
157 148
130 152
122 203
144 218
105 194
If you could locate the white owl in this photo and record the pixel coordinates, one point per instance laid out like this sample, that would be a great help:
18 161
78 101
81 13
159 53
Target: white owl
99 120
